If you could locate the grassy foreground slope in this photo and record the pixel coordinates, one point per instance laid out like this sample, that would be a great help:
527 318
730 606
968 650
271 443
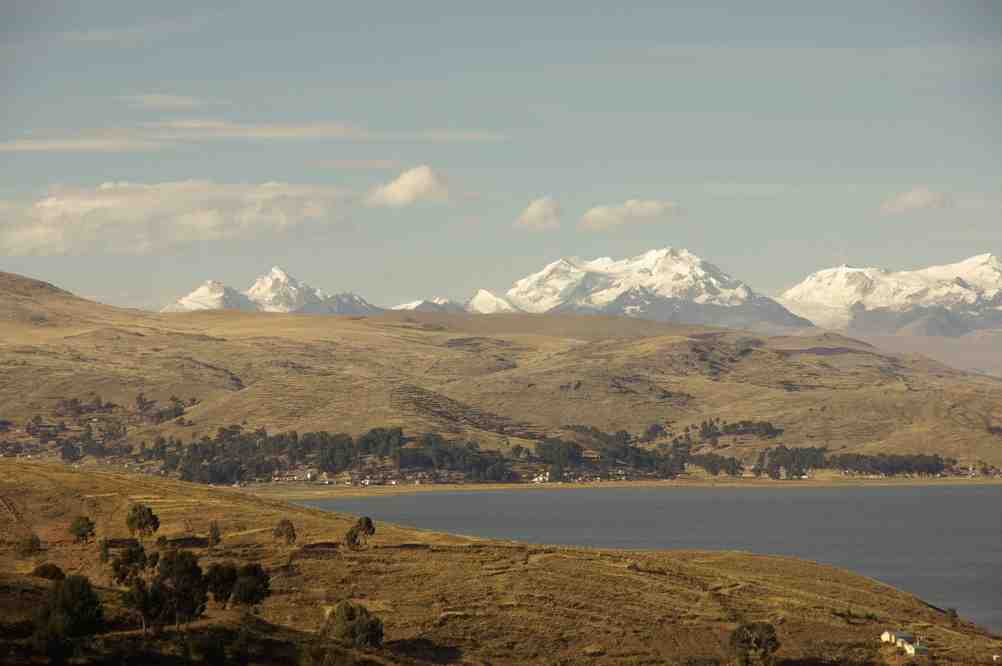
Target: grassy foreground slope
453 599
499 379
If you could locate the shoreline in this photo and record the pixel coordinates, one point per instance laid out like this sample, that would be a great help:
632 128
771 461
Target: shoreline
306 491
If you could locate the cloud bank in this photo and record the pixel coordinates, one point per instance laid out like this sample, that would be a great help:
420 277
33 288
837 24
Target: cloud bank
632 211
134 218
541 214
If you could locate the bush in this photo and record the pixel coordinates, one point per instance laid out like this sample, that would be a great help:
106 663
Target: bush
215 536
755 640
285 530
29 545
72 609
141 519
354 625
183 584
48 571
220 579
253 585
82 529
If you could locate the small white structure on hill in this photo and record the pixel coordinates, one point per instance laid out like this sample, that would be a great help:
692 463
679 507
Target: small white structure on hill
914 649
897 637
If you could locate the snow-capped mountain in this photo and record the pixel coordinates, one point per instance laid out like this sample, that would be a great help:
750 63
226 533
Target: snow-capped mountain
212 295
437 304
940 300
669 284
276 291
482 302
486 302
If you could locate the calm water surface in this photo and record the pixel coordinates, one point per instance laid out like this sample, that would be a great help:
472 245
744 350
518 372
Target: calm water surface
943 543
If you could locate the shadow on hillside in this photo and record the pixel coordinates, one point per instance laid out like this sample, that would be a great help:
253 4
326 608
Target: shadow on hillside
425 650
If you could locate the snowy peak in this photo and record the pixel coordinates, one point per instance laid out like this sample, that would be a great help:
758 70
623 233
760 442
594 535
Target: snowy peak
667 273
436 304
485 302
275 291
212 295
832 297
667 284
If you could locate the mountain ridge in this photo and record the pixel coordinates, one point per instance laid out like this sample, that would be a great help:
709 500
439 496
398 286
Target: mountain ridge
947 299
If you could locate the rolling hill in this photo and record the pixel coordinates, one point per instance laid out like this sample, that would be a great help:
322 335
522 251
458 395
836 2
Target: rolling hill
448 599
500 379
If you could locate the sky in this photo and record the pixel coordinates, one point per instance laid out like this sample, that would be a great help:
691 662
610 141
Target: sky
406 150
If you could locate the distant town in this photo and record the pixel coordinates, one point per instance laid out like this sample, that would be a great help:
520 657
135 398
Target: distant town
95 431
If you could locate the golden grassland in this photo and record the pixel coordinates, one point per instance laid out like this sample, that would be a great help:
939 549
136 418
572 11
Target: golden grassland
450 599
501 380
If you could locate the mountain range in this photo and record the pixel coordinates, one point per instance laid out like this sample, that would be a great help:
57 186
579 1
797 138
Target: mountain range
948 300
675 285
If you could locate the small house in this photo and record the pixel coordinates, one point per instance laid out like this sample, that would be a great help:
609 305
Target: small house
915 649
897 637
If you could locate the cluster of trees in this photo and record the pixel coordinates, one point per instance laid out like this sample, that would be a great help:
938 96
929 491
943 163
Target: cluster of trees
75 408
235 454
798 461
712 429
618 449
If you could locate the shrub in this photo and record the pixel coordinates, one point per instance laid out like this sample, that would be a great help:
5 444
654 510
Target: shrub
285 530
48 571
359 532
71 609
755 640
354 625
141 519
220 579
29 545
215 536
183 583
82 529
253 585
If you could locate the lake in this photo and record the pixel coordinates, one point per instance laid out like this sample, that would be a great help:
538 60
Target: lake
942 543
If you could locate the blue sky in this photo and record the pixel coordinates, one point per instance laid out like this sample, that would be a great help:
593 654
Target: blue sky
393 148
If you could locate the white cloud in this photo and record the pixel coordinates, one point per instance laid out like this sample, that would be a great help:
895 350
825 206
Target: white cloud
165 102
414 185
918 198
135 218
608 218
149 136
541 214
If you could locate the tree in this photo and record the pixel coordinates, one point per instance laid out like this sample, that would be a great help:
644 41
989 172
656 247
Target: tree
130 563
147 601
184 585
219 579
353 624
359 532
285 530
756 640
104 551
82 529
141 519
71 609
214 534
253 585
29 545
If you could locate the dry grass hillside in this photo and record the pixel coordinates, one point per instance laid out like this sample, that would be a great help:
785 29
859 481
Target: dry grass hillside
498 379
447 599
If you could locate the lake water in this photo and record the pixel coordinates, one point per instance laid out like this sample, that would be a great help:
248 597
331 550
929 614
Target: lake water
943 543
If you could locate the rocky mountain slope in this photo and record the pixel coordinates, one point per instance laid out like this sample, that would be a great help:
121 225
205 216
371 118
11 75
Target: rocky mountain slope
947 300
